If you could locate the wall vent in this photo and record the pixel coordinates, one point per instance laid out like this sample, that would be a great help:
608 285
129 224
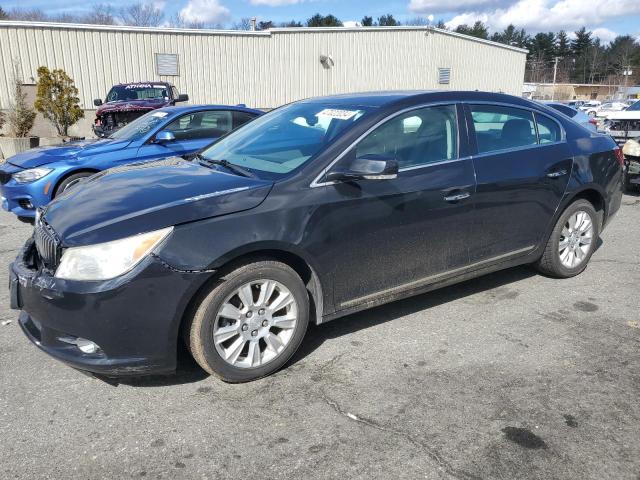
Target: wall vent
444 75
167 64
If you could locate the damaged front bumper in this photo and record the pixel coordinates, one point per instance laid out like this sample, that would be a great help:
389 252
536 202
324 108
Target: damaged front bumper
132 321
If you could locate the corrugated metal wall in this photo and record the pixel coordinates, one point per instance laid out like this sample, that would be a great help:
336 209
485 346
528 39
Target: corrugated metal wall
261 69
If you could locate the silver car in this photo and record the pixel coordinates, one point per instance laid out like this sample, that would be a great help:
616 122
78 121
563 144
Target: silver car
578 116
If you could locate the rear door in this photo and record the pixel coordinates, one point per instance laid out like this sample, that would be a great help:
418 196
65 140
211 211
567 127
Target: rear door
522 165
394 235
193 132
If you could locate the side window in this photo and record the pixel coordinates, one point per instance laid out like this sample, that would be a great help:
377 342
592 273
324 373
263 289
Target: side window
211 124
240 118
501 128
548 130
418 137
174 90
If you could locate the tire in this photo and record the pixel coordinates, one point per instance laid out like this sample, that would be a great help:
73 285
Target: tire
224 347
69 181
556 262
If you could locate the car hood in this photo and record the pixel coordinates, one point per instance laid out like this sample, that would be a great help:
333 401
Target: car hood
55 153
624 115
127 105
142 197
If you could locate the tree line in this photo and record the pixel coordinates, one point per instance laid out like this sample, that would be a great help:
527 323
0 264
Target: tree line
581 57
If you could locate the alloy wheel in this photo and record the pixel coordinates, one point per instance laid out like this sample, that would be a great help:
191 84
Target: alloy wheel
255 323
575 239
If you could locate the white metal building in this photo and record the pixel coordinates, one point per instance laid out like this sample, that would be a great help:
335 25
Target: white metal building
262 69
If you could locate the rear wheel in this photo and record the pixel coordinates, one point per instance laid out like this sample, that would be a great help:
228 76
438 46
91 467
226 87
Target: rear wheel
572 241
250 323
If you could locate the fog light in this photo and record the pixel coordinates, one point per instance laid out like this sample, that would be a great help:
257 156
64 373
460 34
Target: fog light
26 204
87 346
84 345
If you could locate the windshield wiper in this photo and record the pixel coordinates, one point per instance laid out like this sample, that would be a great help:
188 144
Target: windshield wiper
226 164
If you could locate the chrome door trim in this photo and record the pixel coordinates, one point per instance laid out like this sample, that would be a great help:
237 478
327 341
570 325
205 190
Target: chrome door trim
316 181
433 278
521 107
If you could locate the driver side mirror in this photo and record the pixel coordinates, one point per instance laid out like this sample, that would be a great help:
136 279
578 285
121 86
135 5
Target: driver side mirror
164 136
183 97
97 102
367 167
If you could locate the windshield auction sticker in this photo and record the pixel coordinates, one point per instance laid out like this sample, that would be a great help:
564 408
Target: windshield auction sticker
336 113
159 114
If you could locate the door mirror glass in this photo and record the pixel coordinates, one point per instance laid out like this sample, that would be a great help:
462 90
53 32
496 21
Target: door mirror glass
97 102
164 137
367 167
183 97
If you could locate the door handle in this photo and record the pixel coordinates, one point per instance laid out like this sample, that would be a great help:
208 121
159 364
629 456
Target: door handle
557 174
457 197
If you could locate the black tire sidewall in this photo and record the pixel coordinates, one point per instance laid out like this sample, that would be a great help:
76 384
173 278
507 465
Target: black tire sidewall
212 303
585 206
71 178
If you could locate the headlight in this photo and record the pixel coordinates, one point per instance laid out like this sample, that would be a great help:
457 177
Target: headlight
104 261
31 175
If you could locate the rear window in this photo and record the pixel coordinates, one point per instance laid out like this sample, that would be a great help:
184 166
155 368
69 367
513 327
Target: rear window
548 129
502 128
138 91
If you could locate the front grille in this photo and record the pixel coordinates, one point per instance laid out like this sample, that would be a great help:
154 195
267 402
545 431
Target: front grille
47 245
4 177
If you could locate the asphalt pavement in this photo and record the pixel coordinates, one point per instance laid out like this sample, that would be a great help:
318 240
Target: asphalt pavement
509 376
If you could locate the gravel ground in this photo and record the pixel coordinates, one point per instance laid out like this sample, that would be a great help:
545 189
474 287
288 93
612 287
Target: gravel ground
512 375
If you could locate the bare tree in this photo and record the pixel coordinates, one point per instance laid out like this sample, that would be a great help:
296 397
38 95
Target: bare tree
243 24
102 14
31 15
141 15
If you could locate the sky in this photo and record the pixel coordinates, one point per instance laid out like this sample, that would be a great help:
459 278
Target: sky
606 18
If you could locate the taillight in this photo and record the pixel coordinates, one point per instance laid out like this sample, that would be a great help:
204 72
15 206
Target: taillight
619 155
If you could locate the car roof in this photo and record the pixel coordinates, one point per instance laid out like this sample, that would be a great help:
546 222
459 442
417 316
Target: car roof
388 98
150 82
194 108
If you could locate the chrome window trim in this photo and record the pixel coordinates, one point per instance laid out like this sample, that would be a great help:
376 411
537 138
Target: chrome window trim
513 149
316 181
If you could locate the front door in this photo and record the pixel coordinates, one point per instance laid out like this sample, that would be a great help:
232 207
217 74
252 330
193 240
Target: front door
523 164
393 235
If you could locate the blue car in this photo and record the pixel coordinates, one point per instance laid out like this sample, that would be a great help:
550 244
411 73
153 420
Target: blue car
32 179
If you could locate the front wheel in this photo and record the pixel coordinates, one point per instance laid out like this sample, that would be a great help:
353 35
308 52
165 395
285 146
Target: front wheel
572 241
70 181
250 323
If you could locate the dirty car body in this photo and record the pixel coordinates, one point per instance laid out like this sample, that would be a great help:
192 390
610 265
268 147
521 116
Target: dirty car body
469 201
127 101
193 128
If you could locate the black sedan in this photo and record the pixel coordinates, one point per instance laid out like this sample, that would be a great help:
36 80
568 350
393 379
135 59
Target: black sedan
318 209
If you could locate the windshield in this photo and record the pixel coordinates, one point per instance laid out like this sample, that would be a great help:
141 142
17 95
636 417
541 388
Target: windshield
286 138
634 108
138 91
140 126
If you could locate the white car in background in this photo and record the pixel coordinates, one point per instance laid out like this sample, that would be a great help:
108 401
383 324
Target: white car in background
590 105
624 124
605 109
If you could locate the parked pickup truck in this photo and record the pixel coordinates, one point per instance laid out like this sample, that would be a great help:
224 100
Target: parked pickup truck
127 101
623 125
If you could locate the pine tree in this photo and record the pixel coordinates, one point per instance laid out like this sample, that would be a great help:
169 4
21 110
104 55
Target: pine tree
323 21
